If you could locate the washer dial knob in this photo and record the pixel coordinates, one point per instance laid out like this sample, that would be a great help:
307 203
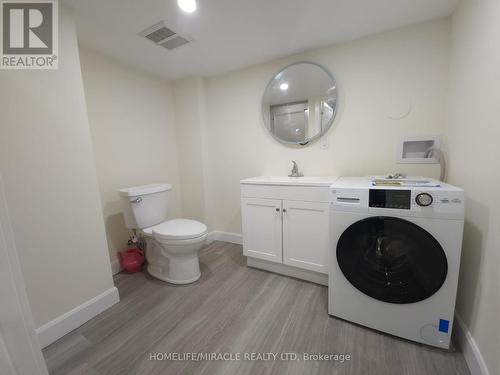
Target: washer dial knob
424 199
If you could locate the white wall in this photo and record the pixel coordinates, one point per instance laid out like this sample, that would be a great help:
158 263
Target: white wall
473 133
374 74
133 131
48 166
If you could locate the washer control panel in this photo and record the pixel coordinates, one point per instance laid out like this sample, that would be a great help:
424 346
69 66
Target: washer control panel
415 202
358 194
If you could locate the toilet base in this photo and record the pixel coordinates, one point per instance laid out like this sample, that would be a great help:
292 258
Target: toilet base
174 263
173 281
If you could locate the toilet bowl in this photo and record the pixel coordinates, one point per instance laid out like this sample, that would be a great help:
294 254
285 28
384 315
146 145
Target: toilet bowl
172 250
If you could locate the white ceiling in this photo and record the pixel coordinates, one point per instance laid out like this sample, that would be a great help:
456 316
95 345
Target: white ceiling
231 34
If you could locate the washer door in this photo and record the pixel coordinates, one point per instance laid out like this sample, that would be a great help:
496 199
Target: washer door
392 260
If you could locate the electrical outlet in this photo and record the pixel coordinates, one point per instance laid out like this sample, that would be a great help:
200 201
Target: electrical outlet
323 143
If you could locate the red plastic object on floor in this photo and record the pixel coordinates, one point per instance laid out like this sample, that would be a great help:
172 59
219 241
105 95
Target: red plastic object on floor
131 260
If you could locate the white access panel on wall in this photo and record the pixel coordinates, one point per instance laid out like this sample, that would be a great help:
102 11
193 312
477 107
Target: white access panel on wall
413 150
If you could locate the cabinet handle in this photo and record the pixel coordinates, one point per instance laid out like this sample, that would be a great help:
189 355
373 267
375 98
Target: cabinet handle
284 210
277 209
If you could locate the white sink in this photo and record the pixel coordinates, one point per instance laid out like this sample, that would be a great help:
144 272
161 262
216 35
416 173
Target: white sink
290 181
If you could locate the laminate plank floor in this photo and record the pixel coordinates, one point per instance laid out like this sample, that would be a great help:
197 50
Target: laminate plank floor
233 309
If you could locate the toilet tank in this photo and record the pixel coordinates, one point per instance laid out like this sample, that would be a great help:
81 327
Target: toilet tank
146 205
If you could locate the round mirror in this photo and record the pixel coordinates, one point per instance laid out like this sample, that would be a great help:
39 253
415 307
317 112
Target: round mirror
300 103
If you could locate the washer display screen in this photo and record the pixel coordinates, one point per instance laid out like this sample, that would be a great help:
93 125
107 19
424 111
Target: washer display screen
392 260
400 199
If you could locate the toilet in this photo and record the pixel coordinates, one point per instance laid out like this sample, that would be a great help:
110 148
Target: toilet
171 245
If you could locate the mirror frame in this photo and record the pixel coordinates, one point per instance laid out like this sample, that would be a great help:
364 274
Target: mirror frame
328 126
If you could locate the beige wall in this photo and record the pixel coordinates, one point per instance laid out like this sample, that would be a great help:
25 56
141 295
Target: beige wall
375 75
473 133
133 131
190 116
49 171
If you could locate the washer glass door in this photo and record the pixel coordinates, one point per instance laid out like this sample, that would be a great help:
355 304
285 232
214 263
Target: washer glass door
392 260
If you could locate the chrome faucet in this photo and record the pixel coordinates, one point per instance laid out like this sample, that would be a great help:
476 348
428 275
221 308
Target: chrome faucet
295 171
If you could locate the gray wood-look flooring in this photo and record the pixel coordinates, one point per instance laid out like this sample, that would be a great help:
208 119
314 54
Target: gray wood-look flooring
233 309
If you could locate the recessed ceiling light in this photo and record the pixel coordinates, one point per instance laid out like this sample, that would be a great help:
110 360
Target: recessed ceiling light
284 86
188 6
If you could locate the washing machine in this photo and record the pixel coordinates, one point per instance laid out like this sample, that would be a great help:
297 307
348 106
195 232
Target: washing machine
396 256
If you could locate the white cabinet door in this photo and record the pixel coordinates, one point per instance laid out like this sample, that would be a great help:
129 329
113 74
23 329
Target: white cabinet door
306 235
262 228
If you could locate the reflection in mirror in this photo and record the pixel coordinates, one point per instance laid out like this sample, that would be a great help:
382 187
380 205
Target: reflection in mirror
299 103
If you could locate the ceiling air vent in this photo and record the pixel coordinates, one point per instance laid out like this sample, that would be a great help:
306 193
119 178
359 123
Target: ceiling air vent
174 42
161 35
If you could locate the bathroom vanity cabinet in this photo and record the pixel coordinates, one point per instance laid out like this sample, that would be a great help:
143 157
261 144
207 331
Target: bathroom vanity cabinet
286 225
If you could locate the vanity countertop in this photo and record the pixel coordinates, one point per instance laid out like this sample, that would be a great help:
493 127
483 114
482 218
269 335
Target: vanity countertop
290 181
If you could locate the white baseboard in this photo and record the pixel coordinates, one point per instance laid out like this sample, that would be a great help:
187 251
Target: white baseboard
282 269
469 348
63 324
116 266
218 235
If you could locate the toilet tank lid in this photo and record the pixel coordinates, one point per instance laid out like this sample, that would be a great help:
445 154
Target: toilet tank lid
144 190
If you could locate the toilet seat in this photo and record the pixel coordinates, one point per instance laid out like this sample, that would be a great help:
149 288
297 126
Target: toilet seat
177 229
